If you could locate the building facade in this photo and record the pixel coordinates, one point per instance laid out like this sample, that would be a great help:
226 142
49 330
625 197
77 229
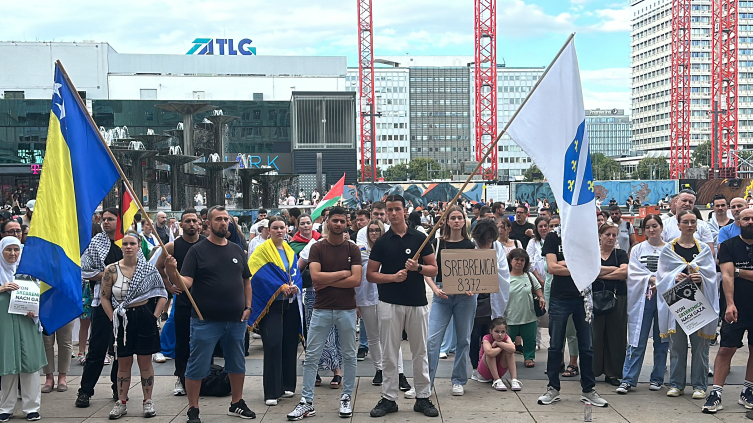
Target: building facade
609 132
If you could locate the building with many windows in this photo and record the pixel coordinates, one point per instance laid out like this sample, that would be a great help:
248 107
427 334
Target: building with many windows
609 132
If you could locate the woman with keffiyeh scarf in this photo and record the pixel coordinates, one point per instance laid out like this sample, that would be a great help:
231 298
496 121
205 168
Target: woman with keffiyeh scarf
128 286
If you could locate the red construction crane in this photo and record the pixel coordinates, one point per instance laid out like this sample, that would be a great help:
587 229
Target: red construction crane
680 113
724 88
485 78
366 90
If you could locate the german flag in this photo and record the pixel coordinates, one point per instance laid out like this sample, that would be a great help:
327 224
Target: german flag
128 210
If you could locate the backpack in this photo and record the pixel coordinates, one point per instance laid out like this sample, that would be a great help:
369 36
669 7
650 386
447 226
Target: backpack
216 384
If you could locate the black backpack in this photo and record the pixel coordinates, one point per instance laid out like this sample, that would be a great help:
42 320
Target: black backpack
217 384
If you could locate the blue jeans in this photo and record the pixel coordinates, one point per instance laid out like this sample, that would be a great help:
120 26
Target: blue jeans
559 311
319 328
678 359
449 340
634 355
462 309
204 337
363 338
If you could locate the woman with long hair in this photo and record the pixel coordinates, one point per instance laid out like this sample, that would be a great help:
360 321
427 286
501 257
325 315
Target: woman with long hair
685 260
276 310
610 329
21 345
128 289
643 316
459 307
504 226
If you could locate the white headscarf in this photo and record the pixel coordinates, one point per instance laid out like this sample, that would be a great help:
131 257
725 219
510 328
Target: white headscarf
8 270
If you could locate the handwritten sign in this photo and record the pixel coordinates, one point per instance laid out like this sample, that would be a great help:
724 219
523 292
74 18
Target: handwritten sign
689 306
469 270
25 298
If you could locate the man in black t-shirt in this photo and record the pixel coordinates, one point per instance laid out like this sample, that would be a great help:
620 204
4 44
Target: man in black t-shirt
737 315
521 226
565 300
402 305
218 276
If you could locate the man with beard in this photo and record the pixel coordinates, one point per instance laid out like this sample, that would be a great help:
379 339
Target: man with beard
686 201
161 227
625 231
736 206
101 252
737 316
178 249
216 272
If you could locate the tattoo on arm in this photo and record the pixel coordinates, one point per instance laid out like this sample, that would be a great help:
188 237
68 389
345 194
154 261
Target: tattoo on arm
108 279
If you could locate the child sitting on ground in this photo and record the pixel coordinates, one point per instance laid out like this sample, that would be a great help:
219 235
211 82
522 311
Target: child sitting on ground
497 356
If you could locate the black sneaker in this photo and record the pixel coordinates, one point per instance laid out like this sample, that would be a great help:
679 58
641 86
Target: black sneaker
240 409
32 417
361 354
82 401
383 407
404 385
377 381
713 403
746 398
193 415
424 405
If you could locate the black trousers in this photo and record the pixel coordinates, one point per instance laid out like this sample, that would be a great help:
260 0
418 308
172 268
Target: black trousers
182 320
100 342
480 329
279 336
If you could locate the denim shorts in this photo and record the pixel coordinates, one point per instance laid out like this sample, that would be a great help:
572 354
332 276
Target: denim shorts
204 337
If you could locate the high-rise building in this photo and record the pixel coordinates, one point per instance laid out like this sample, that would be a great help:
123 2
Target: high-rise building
609 132
651 73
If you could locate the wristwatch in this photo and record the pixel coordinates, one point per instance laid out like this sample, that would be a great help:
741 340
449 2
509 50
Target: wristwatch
247 308
737 272
420 268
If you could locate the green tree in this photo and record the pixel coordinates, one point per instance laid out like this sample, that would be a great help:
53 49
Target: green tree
396 173
533 173
419 169
701 155
606 168
652 168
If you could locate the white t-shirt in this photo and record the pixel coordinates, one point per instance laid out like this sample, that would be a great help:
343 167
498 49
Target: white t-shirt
257 241
623 234
672 230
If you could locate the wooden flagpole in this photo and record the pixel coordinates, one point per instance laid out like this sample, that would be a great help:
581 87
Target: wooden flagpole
127 184
491 148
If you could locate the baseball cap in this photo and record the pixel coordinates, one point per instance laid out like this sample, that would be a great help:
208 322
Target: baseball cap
264 223
30 205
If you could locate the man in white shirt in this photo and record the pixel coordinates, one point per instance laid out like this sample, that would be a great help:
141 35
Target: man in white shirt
686 201
625 231
255 227
378 212
263 235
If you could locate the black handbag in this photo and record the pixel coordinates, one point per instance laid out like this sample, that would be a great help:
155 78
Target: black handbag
306 278
605 301
540 311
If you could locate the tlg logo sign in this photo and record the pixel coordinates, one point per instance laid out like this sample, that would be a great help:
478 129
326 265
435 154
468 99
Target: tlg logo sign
224 46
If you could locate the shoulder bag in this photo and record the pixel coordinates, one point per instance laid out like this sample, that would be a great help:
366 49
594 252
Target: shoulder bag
536 307
605 301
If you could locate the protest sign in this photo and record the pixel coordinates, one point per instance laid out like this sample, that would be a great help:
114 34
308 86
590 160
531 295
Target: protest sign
469 270
25 298
689 306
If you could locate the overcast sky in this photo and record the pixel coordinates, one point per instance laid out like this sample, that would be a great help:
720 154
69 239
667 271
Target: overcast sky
529 32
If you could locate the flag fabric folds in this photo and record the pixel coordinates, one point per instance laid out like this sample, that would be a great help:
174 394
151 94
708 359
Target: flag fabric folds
128 210
551 128
77 174
333 196
269 277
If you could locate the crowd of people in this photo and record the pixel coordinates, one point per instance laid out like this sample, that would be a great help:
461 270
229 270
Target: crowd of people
353 283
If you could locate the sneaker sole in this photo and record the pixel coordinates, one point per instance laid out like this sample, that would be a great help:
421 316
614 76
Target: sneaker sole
458 394
555 399
117 417
376 384
295 419
708 410
621 391
379 414
747 406
654 388
229 413
179 394
346 415
605 405
361 359
150 415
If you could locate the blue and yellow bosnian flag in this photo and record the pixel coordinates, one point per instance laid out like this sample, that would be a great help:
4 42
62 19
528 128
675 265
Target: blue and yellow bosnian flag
77 174
269 277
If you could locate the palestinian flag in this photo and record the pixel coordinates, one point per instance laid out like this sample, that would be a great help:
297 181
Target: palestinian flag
333 196
128 210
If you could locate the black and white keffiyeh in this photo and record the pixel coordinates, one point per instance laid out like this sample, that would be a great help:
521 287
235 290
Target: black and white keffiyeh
93 261
145 284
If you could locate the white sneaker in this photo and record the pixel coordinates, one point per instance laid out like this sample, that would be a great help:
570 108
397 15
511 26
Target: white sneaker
674 392
288 394
515 385
410 394
499 385
699 394
654 386
457 389
271 402
346 406
442 355
594 398
149 409
118 410
179 391
158 358
478 378
255 335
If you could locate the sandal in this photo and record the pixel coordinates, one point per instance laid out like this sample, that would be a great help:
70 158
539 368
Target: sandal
318 380
530 363
571 371
336 381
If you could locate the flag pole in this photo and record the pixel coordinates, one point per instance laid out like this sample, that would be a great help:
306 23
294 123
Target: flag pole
127 183
491 148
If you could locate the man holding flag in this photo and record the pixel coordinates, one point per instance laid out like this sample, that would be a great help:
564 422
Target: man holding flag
560 148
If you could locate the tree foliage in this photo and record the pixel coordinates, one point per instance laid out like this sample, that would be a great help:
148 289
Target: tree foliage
419 169
701 155
606 168
652 168
532 174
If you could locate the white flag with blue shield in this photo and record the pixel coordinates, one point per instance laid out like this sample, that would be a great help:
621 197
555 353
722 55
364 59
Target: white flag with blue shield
551 128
